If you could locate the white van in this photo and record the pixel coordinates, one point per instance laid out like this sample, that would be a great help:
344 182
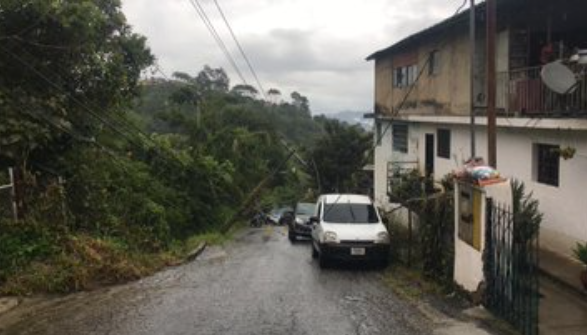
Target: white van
348 227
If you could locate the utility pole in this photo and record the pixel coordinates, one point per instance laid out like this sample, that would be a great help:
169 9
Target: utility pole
472 36
491 84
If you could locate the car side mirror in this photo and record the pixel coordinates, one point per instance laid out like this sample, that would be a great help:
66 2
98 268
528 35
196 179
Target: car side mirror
314 220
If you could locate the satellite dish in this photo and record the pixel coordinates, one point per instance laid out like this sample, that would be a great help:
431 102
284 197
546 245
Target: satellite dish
558 78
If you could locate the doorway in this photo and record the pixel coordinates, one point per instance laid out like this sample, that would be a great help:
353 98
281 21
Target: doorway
429 156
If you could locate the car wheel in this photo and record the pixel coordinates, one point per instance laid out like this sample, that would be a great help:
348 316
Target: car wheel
292 236
383 263
314 251
323 261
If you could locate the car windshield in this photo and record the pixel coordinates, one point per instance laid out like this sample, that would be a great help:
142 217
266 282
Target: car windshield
350 213
305 209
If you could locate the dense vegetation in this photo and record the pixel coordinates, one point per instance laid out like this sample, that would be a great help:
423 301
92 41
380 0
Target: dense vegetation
114 176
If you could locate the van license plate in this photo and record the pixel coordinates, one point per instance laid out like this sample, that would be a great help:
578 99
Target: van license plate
358 251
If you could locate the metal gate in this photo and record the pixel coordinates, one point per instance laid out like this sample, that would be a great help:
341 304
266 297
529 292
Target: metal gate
511 269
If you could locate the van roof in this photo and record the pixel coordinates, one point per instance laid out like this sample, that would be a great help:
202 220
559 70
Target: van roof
346 198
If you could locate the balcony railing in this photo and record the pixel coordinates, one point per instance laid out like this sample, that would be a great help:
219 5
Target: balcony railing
523 92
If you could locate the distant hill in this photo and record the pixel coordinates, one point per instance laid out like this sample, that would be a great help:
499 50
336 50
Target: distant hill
352 118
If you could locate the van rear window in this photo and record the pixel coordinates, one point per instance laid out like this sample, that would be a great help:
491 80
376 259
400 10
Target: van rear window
350 213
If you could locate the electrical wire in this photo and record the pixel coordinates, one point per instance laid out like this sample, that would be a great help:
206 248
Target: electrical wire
202 13
461 7
240 48
379 137
91 112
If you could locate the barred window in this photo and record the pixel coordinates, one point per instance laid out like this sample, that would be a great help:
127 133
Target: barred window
400 138
443 146
547 164
405 76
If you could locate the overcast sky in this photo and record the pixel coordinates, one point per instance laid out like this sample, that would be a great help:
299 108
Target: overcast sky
315 47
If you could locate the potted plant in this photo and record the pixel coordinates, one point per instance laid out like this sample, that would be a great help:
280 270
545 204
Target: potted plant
580 252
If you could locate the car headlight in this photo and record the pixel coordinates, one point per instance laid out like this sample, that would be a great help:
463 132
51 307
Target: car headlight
382 237
299 221
330 237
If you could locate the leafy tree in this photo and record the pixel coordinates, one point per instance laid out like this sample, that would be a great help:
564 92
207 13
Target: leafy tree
300 102
274 95
61 61
339 154
210 79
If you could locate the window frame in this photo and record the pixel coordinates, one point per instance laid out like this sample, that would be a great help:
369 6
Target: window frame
443 143
547 172
404 76
395 133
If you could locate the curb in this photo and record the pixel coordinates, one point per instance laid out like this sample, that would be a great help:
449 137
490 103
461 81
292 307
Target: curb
192 255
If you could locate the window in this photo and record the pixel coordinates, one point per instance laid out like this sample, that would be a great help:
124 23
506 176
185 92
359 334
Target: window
350 213
307 209
405 76
547 164
434 63
400 138
443 146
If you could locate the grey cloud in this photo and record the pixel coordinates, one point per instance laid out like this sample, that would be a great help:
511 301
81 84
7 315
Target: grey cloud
330 70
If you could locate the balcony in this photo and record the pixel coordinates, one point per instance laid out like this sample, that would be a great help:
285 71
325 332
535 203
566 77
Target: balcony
521 92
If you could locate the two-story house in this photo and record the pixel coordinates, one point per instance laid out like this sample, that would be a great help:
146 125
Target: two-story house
428 74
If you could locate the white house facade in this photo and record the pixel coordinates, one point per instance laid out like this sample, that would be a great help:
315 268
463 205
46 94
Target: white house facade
423 99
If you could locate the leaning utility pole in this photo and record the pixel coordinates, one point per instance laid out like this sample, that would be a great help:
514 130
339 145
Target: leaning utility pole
491 84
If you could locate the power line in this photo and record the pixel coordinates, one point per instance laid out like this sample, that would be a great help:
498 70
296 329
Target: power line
200 10
240 48
95 115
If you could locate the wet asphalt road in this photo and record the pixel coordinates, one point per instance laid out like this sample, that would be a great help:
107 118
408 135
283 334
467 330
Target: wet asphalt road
258 284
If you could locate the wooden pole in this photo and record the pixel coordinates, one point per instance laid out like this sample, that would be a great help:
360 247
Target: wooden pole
472 35
491 84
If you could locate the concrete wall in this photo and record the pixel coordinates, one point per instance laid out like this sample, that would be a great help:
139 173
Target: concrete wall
468 263
564 207
444 93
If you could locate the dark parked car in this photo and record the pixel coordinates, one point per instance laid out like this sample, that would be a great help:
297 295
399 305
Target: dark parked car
276 216
300 224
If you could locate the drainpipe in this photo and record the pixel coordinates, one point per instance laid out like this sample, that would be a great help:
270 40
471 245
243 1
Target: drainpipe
472 74
491 84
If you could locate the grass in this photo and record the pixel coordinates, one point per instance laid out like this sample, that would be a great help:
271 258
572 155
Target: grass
410 283
87 262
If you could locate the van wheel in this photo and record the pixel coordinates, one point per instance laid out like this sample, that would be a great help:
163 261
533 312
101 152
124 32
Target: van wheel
314 251
323 261
383 263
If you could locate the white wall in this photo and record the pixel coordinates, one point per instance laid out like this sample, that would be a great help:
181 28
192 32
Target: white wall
564 207
382 156
384 153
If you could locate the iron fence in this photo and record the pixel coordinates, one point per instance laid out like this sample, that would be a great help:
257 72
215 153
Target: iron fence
511 269
396 170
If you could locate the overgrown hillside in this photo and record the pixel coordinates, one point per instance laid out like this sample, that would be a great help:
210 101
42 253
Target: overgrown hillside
115 179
